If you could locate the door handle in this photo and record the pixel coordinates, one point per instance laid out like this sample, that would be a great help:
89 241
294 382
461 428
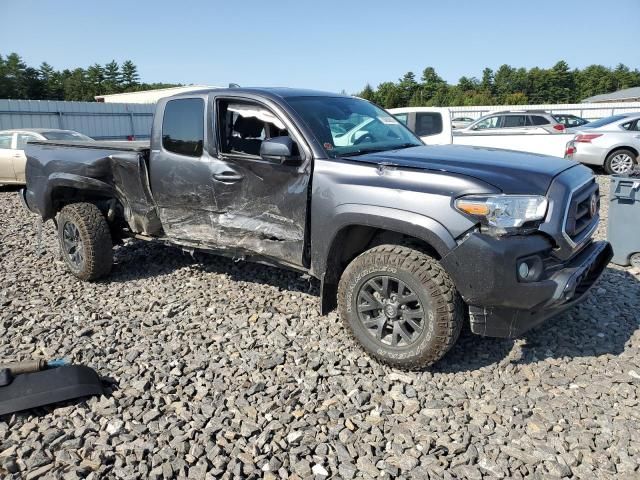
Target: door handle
228 176
17 155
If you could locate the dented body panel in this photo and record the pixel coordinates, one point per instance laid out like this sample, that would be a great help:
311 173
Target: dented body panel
102 170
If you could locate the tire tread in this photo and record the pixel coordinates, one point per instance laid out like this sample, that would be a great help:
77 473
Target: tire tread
96 237
433 276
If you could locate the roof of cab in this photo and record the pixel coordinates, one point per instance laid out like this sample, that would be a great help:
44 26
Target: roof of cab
282 92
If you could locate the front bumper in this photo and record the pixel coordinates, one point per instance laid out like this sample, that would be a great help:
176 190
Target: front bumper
484 270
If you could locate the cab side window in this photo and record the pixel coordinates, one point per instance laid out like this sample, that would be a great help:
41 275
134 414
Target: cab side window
632 126
5 140
402 117
244 125
511 121
538 120
490 122
23 138
183 126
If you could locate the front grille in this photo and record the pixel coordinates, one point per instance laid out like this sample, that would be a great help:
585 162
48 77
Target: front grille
581 214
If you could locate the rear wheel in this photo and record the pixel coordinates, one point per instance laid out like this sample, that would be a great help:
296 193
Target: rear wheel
619 162
85 241
400 305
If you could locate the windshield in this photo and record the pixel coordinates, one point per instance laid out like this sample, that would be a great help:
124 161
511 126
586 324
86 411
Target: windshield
604 121
351 126
66 135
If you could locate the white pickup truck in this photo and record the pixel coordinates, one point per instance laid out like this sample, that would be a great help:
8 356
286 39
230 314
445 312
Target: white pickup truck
433 126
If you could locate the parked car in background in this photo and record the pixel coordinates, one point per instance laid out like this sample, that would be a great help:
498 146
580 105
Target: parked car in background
434 127
611 142
515 121
570 121
461 122
12 143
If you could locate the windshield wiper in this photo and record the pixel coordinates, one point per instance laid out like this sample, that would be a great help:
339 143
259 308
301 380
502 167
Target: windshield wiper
377 150
362 152
405 145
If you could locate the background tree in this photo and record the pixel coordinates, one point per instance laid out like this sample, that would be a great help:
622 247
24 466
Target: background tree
96 81
507 86
407 87
130 77
20 81
367 93
112 78
52 82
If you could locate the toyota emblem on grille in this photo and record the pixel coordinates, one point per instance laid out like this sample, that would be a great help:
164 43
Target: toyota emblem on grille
593 205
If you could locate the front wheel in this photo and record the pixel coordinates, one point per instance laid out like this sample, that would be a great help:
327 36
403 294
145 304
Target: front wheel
620 162
85 241
401 306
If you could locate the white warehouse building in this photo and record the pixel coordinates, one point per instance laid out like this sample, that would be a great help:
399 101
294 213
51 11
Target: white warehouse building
148 96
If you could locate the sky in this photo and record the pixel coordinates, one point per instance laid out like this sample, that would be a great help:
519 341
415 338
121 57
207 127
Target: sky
328 45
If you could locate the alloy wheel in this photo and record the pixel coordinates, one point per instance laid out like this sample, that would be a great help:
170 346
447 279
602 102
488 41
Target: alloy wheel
621 163
73 247
390 311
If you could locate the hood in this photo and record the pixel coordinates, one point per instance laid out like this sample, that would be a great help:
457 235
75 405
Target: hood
511 171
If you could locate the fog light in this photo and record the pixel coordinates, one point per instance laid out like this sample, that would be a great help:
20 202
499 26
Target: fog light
523 270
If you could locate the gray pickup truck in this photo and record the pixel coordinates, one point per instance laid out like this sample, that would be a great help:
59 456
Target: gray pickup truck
408 241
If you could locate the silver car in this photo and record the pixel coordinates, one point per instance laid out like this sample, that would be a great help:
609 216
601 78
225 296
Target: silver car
461 122
611 142
514 122
12 143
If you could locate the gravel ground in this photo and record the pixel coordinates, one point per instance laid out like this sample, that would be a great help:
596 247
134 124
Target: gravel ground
216 369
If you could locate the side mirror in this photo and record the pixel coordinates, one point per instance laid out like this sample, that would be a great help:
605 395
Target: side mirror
278 150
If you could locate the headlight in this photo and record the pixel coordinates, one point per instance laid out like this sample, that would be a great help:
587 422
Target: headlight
503 212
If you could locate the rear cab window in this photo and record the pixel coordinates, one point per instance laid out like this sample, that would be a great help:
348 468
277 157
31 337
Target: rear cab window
183 127
428 123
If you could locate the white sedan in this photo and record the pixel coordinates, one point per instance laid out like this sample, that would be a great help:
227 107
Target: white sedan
612 142
12 143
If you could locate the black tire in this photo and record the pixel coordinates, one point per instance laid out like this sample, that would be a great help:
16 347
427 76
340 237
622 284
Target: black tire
613 165
85 241
423 278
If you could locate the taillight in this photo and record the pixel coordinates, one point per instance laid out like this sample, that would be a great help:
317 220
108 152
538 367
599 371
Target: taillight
559 127
570 150
586 137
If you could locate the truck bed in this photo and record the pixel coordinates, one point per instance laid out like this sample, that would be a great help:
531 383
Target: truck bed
99 169
136 146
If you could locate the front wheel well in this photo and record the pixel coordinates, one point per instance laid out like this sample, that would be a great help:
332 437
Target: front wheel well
350 242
